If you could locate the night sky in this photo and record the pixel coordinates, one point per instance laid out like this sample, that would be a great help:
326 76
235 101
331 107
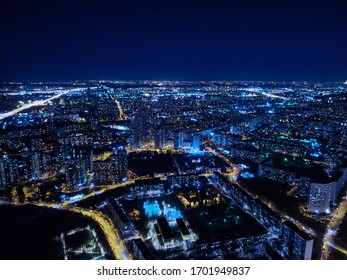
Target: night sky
173 40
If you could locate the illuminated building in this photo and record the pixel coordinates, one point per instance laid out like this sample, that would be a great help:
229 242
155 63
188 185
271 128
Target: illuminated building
245 153
320 197
113 170
183 180
47 165
267 170
3 181
341 182
245 201
178 140
122 158
152 209
323 193
41 165
141 127
75 172
148 187
305 185
8 172
210 249
297 245
118 214
75 169
35 165
159 138
242 127
196 142
222 139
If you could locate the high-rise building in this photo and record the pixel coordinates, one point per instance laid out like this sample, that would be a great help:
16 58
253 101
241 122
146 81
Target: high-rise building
196 142
113 170
141 127
35 166
320 197
46 164
159 138
297 244
178 140
38 160
3 181
305 185
75 169
324 192
341 181
122 158
75 173
87 155
8 172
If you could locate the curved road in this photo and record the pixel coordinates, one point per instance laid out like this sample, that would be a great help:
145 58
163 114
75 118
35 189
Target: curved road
106 224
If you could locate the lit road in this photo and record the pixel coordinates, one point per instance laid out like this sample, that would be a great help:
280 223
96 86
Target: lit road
37 103
133 174
337 247
273 95
214 152
105 188
332 228
237 171
106 224
115 186
121 112
122 116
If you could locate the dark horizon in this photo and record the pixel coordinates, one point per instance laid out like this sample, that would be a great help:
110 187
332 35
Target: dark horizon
173 40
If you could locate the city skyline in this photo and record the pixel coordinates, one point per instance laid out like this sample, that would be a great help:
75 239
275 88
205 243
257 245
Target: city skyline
173 170
173 130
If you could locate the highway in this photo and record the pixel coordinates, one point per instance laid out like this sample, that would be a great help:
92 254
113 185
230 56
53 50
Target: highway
37 103
273 95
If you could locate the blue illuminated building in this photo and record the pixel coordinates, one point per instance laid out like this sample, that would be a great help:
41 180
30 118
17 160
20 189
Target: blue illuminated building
152 209
297 245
